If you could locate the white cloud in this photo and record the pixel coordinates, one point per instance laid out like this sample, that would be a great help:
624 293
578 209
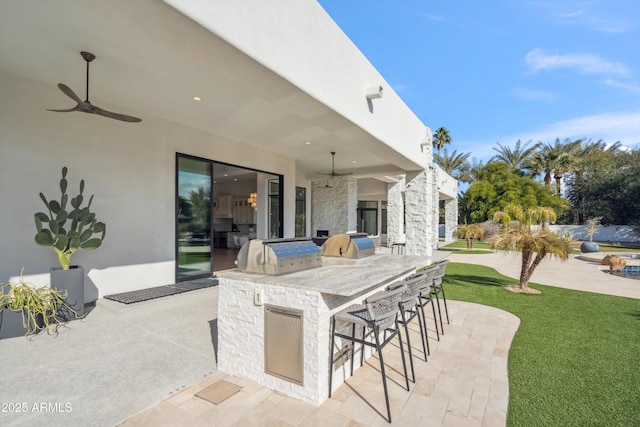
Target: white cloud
633 88
435 17
610 127
401 88
591 16
537 60
532 94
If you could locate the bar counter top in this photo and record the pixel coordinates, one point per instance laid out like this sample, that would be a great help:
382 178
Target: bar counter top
340 276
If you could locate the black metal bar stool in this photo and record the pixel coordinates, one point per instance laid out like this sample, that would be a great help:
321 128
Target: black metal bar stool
438 289
409 310
426 277
378 314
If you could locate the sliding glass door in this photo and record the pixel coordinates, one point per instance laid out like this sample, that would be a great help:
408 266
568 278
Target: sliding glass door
193 246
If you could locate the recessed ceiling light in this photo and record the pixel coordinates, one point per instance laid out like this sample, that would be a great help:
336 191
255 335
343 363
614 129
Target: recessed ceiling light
197 98
235 179
353 161
226 174
308 142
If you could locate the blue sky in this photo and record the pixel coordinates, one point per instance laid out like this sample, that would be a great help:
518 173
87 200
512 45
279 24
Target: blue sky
497 71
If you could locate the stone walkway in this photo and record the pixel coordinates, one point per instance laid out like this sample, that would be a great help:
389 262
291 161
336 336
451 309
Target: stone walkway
571 274
464 383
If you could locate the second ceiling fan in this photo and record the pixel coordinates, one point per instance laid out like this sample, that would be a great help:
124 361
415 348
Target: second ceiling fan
333 168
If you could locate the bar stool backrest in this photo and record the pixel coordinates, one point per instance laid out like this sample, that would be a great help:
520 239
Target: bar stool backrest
427 278
412 292
383 307
442 266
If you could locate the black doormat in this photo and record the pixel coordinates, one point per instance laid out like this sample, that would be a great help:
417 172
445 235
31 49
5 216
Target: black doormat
162 291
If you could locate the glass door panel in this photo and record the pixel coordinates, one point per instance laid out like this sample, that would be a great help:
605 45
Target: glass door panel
193 218
368 217
275 230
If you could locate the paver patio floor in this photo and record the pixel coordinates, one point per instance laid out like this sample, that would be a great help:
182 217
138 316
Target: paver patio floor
464 382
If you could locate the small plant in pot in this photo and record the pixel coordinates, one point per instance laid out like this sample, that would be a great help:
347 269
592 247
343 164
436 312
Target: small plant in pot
591 246
66 227
27 310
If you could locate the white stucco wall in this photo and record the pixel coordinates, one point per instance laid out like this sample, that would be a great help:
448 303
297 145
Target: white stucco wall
302 40
611 233
130 168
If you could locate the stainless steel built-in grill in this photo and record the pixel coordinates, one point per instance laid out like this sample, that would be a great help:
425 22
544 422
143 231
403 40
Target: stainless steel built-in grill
278 256
356 245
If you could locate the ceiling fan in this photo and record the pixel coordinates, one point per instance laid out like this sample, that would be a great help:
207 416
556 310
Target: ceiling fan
86 106
333 170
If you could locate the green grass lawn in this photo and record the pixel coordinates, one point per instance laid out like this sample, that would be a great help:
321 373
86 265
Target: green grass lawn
460 247
612 247
575 359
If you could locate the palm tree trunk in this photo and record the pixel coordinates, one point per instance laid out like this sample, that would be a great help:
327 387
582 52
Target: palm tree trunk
536 261
526 258
547 180
558 178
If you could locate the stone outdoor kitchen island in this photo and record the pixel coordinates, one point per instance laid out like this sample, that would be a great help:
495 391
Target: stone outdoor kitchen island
302 303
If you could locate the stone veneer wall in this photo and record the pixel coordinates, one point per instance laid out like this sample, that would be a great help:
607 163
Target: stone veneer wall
451 220
241 328
334 208
435 207
395 213
241 335
419 210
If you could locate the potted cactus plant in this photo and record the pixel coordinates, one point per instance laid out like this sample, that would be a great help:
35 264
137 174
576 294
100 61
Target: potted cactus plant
66 227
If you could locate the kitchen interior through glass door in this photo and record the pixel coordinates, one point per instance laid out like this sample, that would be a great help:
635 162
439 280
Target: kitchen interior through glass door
194 218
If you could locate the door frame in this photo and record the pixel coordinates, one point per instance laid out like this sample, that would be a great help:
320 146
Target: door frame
175 202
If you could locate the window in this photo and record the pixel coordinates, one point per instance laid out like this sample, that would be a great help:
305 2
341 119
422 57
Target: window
368 217
275 209
383 214
301 211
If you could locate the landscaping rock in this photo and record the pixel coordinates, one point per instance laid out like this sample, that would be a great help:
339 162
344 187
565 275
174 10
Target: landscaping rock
614 262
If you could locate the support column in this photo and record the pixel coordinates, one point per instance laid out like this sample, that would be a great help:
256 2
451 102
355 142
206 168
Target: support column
334 205
450 220
395 213
435 205
419 213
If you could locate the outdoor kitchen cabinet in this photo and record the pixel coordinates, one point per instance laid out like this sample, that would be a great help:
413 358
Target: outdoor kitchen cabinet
257 341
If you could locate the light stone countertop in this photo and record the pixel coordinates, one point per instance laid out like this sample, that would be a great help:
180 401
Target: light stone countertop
340 276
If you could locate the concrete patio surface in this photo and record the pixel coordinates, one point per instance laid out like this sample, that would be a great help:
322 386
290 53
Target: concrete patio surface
143 364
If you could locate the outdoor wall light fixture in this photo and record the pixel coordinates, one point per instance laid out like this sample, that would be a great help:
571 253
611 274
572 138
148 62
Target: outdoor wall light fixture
374 92
424 144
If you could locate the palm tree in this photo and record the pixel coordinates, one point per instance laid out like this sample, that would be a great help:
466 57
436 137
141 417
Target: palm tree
553 159
534 245
469 232
473 171
516 158
454 164
441 138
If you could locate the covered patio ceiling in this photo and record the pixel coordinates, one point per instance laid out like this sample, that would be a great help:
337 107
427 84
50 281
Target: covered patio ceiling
152 60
